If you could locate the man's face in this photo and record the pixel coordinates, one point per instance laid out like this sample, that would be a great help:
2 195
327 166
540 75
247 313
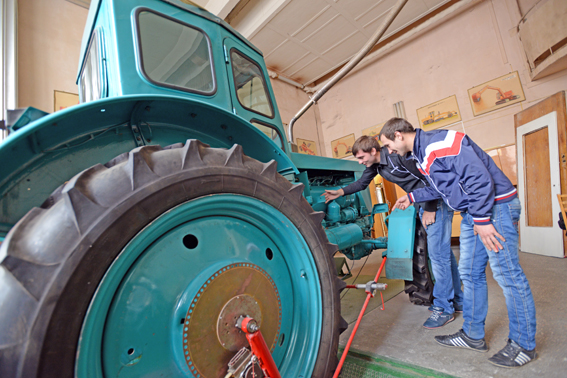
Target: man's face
368 158
396 146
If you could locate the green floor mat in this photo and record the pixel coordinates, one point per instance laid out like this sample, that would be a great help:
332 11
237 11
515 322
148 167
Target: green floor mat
360 365
352 301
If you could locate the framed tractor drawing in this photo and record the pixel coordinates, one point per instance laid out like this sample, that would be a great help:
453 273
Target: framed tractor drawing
441 113
342 147
373 131
495 94
307 147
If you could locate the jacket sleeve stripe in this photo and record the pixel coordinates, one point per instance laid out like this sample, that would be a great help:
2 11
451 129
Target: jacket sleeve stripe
411 197
450 146
481 221
506 195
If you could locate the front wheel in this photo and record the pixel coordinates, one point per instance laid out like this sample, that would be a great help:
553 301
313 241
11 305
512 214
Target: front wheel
139 267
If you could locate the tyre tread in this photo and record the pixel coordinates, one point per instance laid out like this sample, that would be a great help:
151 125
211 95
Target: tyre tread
91 201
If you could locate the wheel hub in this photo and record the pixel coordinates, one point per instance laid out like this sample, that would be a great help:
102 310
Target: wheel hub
235 290
229 336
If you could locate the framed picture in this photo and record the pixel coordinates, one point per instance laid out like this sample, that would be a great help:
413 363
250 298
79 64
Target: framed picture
441 113
342 147
307 147
373 131
496 94
63 100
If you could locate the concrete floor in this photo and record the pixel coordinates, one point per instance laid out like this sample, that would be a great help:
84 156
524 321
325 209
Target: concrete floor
398 331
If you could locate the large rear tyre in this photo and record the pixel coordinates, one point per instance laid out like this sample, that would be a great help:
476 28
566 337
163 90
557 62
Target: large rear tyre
420 290
138 267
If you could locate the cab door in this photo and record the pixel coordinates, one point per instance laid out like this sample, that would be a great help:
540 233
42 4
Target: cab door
250 91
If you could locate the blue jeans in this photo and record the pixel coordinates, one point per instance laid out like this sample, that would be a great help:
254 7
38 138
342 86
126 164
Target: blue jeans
447 289
507 272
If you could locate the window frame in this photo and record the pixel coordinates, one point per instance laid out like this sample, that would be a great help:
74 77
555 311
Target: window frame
266 89
97 39
140 57
270 126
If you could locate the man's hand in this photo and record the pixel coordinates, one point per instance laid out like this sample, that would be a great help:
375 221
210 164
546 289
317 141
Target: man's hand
402 203
488 236
428 218
332 194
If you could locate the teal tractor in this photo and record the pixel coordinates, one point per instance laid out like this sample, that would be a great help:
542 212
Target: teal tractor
137 226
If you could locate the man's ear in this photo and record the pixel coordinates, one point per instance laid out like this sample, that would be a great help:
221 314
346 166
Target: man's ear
373 151
398 135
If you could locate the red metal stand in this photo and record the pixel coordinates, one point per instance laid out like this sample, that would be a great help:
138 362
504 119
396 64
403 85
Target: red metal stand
262 352
260 348
368 296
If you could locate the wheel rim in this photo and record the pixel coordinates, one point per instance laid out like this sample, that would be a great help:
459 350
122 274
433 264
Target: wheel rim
140 315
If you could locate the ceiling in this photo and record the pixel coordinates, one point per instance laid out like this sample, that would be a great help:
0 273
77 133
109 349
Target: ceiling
305 40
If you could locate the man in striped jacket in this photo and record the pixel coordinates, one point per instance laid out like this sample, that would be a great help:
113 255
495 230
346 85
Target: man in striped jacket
468 180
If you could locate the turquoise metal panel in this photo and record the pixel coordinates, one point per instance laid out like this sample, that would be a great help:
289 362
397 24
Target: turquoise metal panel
401 236
43 155
21 117
303 161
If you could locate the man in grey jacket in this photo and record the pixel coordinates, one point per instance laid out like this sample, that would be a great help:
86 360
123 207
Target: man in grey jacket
435 215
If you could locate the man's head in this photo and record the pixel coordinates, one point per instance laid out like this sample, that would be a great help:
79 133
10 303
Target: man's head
367 150
397 136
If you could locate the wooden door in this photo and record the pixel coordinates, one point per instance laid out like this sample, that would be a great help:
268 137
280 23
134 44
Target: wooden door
541 135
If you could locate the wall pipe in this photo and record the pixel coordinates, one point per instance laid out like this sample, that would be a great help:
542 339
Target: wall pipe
350 65
275 75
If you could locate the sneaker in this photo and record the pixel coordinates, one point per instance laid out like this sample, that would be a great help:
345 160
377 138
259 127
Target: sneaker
456 306
461 340
512 355
438 318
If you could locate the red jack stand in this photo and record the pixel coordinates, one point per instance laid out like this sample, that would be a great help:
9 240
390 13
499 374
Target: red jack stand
259 347
370 289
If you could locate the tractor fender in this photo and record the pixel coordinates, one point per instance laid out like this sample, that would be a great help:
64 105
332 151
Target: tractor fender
43 155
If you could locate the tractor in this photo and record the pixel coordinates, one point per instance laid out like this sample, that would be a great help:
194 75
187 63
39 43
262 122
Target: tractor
138 226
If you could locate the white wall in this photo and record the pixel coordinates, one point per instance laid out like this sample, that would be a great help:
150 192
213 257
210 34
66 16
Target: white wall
49 44
290 100
476 46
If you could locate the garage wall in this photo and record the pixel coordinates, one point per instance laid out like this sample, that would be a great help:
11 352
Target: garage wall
49 43
290 100
476 46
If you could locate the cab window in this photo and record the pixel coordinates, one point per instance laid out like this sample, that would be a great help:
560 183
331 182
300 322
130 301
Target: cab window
250 87
91 79
270 131
174 54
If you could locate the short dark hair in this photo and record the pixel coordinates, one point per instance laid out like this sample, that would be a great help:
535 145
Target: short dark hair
365 143
396 124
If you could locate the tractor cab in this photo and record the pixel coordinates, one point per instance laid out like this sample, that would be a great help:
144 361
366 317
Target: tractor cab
175 49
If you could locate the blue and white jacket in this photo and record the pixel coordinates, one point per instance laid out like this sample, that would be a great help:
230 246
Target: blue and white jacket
465 176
